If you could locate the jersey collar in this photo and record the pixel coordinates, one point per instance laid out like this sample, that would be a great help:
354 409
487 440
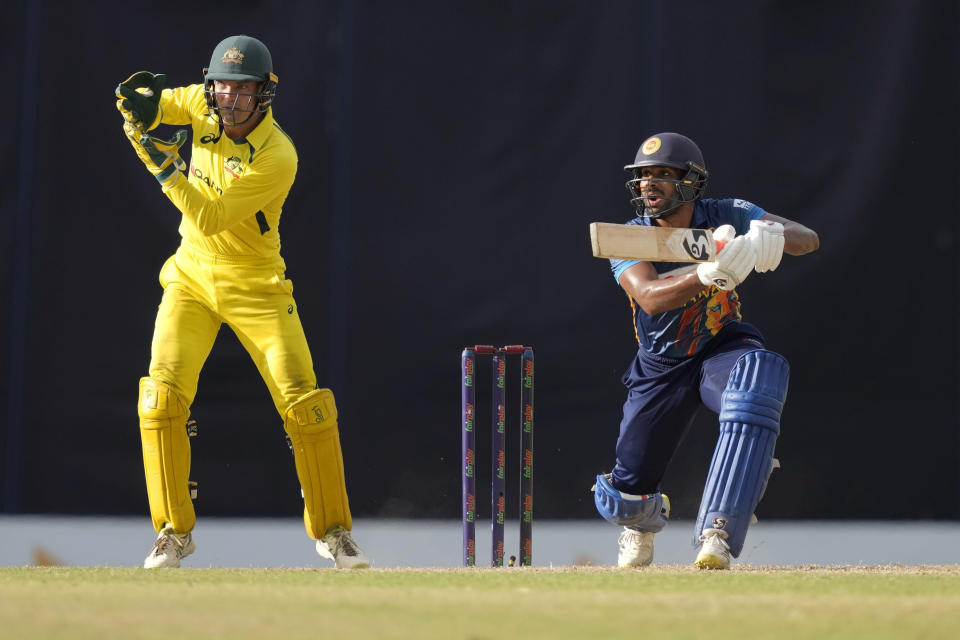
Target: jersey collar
258 137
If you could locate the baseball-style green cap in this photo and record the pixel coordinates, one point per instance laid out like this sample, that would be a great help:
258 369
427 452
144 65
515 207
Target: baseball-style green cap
240 58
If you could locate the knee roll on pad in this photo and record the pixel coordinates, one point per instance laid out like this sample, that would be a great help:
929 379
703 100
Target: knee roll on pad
646 513
311 425
166 455
743 459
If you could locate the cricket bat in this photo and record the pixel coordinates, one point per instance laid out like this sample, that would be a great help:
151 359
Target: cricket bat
656 244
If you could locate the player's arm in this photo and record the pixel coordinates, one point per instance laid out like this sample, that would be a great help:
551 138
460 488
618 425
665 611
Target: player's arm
734 263
260 184
798 239
182 105
656 295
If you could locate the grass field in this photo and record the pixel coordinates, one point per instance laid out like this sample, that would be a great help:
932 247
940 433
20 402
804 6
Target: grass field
658 602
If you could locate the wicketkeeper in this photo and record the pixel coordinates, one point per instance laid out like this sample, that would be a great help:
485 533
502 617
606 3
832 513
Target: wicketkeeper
695 351
228 270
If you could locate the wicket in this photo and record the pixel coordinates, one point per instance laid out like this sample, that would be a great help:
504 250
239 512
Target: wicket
498 452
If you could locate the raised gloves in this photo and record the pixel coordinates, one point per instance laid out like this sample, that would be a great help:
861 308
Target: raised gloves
734 262
138 99
162 157
766 236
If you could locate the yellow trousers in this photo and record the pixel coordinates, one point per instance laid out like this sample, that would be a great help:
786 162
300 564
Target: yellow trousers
203 291
254 298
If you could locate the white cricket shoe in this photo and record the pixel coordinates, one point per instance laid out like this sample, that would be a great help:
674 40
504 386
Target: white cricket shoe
169 548
636 548
339 546
714 550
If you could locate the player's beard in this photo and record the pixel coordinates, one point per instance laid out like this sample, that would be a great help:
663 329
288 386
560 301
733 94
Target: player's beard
656 201
666 205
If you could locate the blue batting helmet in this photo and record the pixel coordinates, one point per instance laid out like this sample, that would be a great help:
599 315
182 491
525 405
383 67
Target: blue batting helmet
668 150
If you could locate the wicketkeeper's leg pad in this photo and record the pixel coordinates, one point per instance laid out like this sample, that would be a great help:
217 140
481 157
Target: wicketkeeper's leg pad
743 459
166 455
311 425
646 513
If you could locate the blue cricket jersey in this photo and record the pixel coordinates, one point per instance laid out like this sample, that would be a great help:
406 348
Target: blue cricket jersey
682 332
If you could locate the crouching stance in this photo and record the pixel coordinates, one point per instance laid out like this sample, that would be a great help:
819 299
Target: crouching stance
228 270
311 426
695 351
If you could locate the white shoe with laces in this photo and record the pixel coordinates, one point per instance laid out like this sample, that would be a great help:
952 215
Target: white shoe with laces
169 548
339 546
714 550
636 548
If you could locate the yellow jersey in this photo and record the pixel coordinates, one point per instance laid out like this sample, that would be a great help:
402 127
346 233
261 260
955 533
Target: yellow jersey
235 189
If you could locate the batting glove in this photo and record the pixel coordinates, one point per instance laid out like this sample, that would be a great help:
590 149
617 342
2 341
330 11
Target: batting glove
138 99
734 262
767 238
161 157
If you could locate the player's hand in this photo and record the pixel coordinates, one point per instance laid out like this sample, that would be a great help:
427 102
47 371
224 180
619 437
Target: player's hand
161 157
138 99
766 236
734 262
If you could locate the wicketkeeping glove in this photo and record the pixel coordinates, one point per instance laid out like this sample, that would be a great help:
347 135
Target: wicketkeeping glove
162 157
734 262
766 236
138 99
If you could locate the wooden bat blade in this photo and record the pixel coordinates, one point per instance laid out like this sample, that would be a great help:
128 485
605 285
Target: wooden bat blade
656 244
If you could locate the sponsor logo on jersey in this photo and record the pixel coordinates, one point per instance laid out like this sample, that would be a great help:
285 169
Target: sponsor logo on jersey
232 56
741 204
204 179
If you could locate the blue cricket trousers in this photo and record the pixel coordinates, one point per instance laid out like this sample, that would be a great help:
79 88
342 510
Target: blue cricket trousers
663 398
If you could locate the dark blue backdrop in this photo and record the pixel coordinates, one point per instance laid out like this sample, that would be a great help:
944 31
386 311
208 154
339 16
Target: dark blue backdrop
451 157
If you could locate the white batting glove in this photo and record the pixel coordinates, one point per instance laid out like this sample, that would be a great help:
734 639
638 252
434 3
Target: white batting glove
767 238
734 262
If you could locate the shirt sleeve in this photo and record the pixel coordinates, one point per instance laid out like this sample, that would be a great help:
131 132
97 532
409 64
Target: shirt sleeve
742 213
619 266
181 105
264 181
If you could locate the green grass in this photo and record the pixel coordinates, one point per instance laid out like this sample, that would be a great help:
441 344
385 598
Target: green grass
658 602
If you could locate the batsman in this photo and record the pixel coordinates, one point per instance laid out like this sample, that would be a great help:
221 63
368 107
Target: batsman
695 350
228 270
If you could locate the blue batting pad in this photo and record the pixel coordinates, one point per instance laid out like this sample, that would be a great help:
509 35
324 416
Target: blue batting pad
743 459
646 513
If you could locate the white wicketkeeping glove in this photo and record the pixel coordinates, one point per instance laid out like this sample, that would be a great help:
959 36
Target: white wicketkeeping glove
734 261
766 236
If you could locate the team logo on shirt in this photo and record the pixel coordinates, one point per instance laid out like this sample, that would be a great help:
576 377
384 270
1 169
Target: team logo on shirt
233 56
233 166
650 146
